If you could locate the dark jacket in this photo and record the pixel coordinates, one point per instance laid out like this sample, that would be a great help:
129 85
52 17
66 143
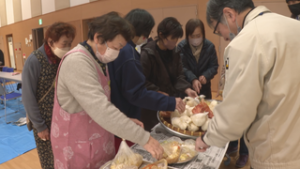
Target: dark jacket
159 79
206 66
170 80
128 91
2 61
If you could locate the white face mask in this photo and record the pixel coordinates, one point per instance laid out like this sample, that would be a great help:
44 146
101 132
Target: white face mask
142 40
61 52
109 55
232 35
196 41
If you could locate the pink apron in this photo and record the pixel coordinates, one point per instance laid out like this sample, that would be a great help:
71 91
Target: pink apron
78 141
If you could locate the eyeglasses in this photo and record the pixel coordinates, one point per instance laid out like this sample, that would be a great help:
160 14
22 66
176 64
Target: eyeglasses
215 30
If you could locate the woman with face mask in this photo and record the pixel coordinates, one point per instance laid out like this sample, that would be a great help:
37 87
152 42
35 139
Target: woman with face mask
294 6
84 120
163 68
199 58
38 88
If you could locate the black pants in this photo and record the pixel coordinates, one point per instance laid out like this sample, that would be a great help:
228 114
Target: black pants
243 148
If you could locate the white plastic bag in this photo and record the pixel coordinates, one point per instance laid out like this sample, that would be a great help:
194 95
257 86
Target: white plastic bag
188 150
172 149
126 158
190 101
199 119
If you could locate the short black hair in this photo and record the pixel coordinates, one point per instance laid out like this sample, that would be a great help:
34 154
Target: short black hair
110 25
169 26
191 25
142 22
215 8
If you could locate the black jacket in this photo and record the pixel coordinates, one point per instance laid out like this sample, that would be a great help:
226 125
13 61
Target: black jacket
169 77
2 58
206 66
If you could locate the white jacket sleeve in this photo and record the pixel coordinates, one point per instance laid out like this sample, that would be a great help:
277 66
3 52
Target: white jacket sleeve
249 63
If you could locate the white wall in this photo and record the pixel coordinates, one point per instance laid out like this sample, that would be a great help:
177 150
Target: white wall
9 12
48 6
26 9
78 2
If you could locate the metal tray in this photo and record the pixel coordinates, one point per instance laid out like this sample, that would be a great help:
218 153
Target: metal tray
187 161
173 132
178 134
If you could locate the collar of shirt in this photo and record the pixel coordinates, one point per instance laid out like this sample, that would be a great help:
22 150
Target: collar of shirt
53 59
89 48
254 13
132 44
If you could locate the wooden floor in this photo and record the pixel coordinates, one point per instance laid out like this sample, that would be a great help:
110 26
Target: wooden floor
30 160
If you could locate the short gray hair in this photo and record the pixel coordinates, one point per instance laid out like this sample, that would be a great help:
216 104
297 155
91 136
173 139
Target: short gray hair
215 8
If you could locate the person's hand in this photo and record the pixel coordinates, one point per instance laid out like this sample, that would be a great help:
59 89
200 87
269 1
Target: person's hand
191 93
154 148
202 79
136 121
180 105
200 145
44 135
197 85
166 94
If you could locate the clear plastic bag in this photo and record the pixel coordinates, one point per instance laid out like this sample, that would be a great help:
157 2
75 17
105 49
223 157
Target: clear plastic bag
126 158
187 150
178 151
172 149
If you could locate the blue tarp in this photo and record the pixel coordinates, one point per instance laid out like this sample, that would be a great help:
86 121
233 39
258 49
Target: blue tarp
14 140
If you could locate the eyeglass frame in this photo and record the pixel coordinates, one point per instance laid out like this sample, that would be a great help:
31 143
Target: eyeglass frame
215 29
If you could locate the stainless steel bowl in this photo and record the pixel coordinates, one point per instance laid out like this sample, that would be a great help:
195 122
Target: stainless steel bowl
173 132
178 134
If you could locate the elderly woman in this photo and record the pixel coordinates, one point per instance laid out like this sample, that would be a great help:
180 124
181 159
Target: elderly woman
199 58
84 120
38 91
163 67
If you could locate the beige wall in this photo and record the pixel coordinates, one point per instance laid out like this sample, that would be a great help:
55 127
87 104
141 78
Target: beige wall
17 10
76 16
61 4
36 8
3 13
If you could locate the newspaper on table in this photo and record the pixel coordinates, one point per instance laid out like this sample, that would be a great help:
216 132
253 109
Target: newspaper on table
211 159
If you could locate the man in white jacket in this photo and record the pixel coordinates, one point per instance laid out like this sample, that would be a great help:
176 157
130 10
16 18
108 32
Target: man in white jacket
262 88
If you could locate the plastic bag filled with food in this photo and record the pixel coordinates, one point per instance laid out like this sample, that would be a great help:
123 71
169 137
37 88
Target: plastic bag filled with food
126 158
187 150
203 107
199 119
161 164
172 149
